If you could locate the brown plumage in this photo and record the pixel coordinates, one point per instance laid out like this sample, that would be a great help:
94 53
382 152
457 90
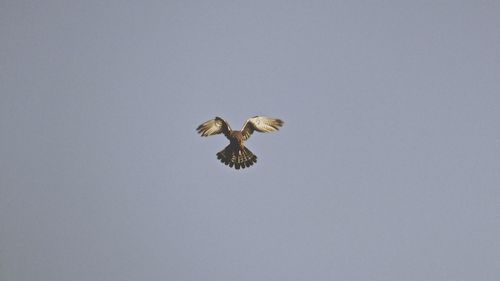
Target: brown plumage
236 154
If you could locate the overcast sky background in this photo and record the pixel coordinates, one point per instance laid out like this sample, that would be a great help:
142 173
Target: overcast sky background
387 167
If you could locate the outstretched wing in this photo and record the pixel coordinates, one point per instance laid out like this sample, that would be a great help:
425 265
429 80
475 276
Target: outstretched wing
260 124
214 127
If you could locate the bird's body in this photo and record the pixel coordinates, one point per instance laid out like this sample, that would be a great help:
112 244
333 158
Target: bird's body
236 154
236 139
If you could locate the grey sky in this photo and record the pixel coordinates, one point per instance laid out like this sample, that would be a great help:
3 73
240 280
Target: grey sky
387 167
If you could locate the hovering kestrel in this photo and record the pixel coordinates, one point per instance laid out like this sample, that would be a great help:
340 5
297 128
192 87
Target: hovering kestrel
236 154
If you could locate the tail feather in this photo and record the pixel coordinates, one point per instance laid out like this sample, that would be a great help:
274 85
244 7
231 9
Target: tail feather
233 156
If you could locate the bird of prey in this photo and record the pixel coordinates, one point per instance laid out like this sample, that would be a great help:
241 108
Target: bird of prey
236 154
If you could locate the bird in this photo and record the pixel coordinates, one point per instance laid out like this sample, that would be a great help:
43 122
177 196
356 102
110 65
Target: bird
236 154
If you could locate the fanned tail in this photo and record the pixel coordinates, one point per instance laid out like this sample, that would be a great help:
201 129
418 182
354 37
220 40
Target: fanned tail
236 157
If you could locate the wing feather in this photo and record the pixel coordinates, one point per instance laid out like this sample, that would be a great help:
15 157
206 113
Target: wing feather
214 127
260 124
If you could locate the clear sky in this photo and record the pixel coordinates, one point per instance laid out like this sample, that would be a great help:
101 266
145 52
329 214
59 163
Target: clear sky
387 167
